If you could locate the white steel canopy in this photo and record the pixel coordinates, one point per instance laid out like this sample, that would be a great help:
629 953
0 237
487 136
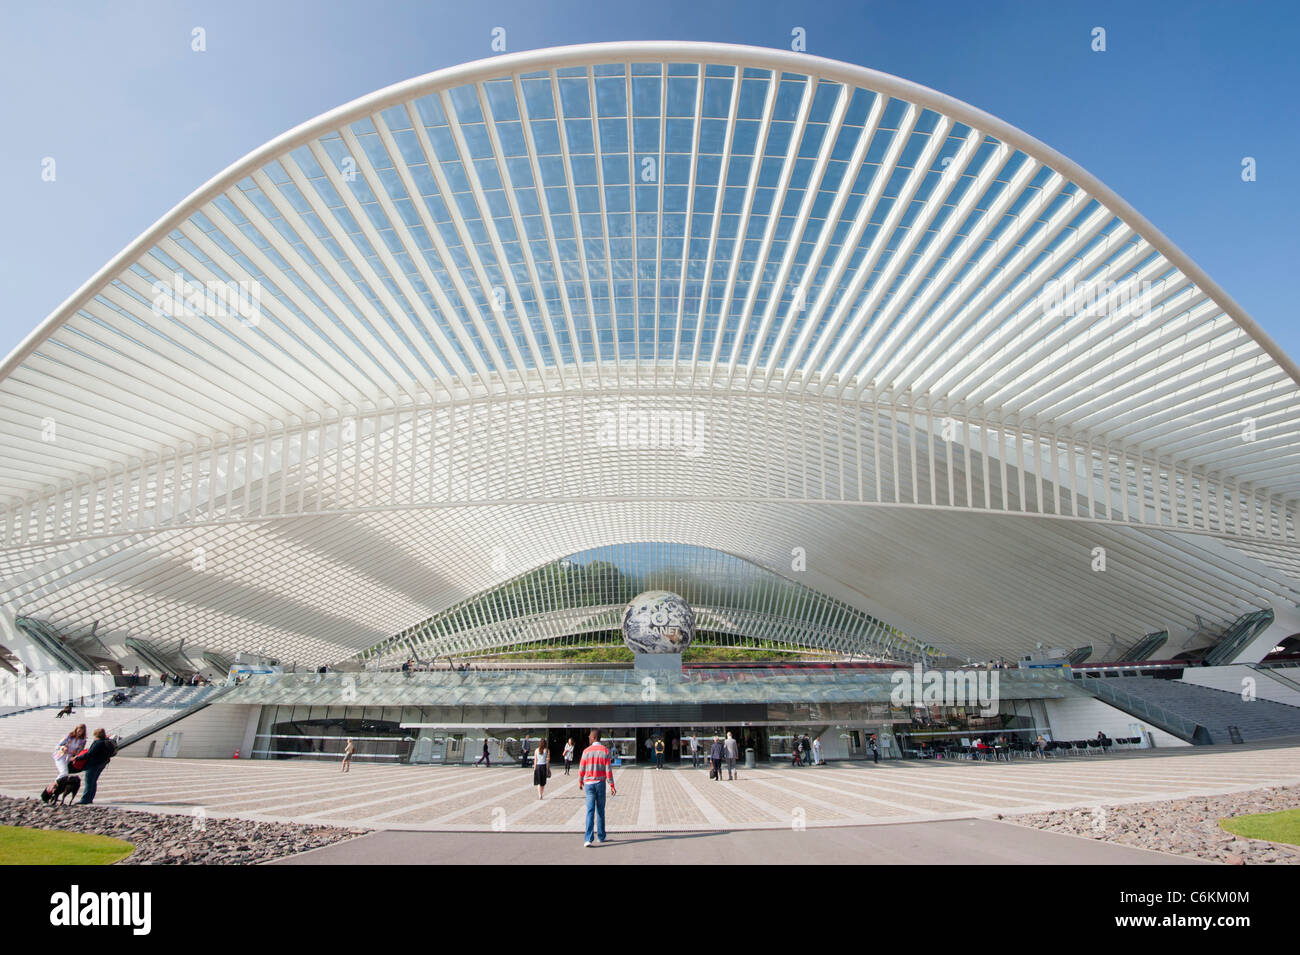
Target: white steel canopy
818 317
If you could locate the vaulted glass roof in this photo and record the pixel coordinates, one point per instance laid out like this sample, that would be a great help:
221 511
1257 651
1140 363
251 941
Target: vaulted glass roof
308 405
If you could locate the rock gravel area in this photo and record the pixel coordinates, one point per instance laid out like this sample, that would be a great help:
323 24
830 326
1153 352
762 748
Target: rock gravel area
1187 827
165 839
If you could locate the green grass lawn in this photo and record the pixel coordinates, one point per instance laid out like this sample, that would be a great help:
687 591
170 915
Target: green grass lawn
1281 826
20 846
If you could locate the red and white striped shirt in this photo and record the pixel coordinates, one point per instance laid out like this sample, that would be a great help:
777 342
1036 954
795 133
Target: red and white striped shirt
595 766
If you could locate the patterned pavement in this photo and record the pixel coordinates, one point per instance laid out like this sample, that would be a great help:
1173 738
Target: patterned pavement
455 798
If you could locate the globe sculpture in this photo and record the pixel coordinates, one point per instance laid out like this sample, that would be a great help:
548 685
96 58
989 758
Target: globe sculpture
658 622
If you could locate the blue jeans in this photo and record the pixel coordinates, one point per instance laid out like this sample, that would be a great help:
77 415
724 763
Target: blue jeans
595 793
92 783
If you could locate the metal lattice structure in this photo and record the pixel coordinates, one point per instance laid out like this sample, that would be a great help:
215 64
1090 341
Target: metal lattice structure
739 298
586 594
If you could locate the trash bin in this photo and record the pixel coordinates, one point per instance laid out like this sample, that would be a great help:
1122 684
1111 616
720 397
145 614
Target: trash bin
749 757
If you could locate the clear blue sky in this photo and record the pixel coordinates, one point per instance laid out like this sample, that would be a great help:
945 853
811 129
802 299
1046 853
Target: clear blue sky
136 121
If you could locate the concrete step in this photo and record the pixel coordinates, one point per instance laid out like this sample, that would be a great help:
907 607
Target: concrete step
1216 709
40 730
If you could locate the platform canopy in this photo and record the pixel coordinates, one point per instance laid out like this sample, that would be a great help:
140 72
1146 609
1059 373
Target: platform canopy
837 325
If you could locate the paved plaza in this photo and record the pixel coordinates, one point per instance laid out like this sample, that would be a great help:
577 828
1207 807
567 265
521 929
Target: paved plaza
467 799
952 842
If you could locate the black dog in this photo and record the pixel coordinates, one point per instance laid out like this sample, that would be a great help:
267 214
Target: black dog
64 788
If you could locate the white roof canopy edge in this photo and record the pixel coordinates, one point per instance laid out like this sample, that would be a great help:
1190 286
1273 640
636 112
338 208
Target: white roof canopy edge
650 51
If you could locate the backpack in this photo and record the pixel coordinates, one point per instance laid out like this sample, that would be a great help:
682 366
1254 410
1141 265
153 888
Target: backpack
78 763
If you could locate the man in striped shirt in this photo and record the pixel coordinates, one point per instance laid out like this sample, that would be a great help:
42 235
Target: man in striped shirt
594 772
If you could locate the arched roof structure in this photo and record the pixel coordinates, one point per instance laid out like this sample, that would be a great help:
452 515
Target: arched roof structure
818 317
580 600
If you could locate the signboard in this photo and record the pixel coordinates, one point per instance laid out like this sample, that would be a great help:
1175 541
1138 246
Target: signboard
241 670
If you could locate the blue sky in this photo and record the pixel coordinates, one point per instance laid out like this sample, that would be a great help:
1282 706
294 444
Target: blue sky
136 121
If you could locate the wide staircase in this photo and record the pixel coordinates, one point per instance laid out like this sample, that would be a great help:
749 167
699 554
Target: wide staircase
1215 710
158 696
40 730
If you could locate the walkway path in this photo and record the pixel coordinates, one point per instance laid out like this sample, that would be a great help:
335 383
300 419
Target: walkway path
964 841
454 798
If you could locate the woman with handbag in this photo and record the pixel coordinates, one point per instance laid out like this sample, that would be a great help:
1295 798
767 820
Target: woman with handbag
541 766
71 745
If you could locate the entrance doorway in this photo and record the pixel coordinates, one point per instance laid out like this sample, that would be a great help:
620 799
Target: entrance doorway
555 740
672 737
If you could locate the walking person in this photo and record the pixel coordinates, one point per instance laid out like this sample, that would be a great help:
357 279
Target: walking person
817 751
595 772
102 749
715 757
485 758
68 747
875 749
732 750
695 751
659 752
541 766
568 755
348 750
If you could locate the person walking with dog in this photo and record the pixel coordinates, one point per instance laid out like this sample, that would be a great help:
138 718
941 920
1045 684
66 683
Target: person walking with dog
348 750
568 755
595 772
541 766
102 749
70 746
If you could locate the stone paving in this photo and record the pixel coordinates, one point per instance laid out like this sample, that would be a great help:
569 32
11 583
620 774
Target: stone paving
468 799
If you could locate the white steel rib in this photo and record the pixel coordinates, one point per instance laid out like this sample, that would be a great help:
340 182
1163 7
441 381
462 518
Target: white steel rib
835 324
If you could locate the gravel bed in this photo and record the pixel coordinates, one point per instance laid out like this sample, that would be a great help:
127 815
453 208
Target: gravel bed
1188 827
164 839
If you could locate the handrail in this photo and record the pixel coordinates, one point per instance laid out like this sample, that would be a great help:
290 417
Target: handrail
1274 675
48 640
1148 645
1244 629
125 740
1185 729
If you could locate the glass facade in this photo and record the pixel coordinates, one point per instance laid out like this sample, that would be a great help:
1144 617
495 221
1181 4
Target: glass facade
456 735
584 596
